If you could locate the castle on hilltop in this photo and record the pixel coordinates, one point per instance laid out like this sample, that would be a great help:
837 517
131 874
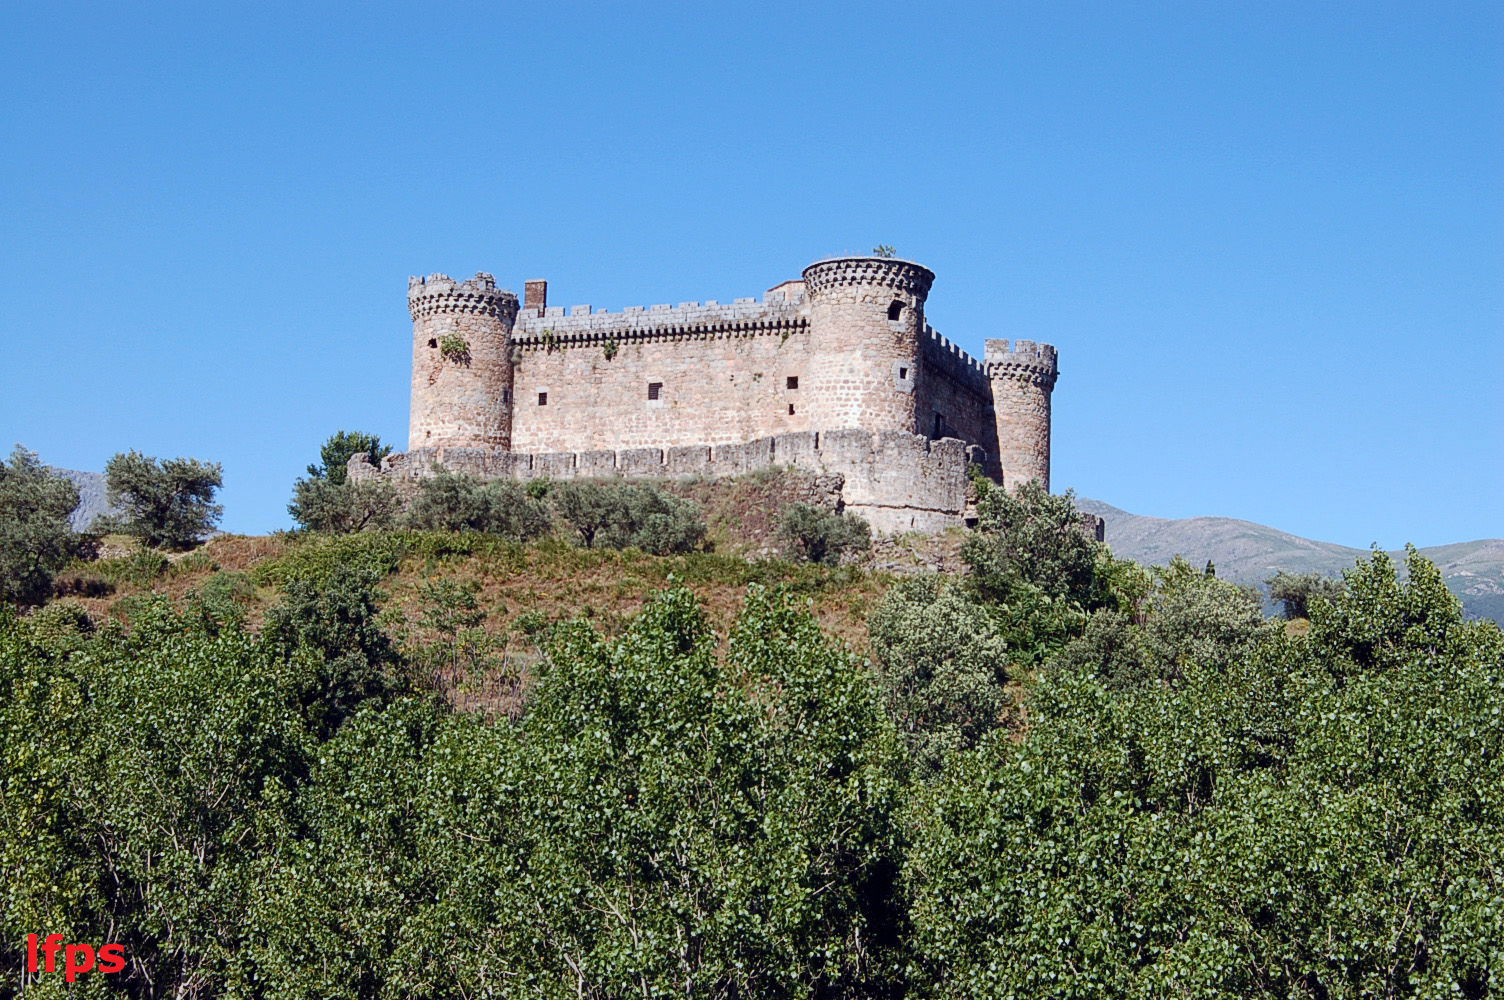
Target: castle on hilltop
836 373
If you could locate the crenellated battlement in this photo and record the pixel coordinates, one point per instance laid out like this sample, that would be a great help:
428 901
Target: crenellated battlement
439 294
901 275
954 362
556 327
1023 360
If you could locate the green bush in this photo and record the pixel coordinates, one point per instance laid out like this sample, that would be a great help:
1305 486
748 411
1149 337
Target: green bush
1296 592
344 506
821 536
1030 541
451 501
629 515
944 668
139 567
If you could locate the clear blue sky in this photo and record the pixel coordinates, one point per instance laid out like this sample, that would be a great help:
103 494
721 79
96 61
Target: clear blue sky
1267 238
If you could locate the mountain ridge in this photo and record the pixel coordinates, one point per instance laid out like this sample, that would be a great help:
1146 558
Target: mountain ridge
1249 553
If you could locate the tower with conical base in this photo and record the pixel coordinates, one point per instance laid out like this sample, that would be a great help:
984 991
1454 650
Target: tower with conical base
462 363
1022 374
866 318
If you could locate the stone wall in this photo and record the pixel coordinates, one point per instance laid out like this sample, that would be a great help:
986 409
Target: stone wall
897 481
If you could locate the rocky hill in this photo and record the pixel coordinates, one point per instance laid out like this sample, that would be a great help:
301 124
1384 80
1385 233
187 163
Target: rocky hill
1245 552
91 501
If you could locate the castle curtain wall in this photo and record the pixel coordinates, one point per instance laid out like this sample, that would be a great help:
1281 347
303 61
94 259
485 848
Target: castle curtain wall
713 388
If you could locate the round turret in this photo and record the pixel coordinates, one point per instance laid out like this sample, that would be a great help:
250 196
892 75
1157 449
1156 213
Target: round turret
866 320
462 362
1023 375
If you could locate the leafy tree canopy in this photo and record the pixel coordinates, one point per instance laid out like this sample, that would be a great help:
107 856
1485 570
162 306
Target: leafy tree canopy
165 503
35 536
343 445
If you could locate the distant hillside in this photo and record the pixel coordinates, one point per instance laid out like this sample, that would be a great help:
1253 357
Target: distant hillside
91 501
1245 552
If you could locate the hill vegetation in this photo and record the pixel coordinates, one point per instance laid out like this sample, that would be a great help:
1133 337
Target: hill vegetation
435 763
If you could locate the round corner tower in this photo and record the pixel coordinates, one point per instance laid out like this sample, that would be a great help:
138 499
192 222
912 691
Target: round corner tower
1022 375
865 323
462 362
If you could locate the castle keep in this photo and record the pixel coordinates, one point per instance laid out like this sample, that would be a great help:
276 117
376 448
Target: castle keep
835 373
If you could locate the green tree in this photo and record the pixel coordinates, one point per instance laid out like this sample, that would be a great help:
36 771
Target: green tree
35 536
345 507
944 668
165 503
335 455
629 515
1289 817
821 536
455 501
1030 540
1295 592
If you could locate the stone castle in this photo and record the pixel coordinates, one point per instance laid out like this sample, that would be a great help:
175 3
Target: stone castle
836 373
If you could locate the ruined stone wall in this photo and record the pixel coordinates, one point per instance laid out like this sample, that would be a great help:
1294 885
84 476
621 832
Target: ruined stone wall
897 481
723 373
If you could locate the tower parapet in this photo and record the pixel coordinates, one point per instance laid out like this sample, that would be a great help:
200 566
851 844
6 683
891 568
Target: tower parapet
462 362
866 324
1023 375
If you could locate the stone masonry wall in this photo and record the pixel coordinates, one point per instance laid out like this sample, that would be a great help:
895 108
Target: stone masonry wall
1023 375
954 387
722 374
897 481
460 400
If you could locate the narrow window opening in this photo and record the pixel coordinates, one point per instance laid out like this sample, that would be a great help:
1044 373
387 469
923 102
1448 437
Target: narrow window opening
433 342
506 395
542 399
793 381
791 409
903 373
895 311
939 431
655 390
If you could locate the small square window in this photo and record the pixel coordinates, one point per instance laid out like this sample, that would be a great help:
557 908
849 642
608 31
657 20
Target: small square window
793 381
542 399
655 390
903 373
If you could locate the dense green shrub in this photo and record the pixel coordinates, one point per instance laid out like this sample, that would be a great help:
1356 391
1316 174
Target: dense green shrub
944 668
629 515
452 501
1030 541
344 506
36 539
819 535
1296 592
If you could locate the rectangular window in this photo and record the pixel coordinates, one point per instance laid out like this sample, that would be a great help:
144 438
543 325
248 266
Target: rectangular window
655 389
793 382
542 399
903 373
791 409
